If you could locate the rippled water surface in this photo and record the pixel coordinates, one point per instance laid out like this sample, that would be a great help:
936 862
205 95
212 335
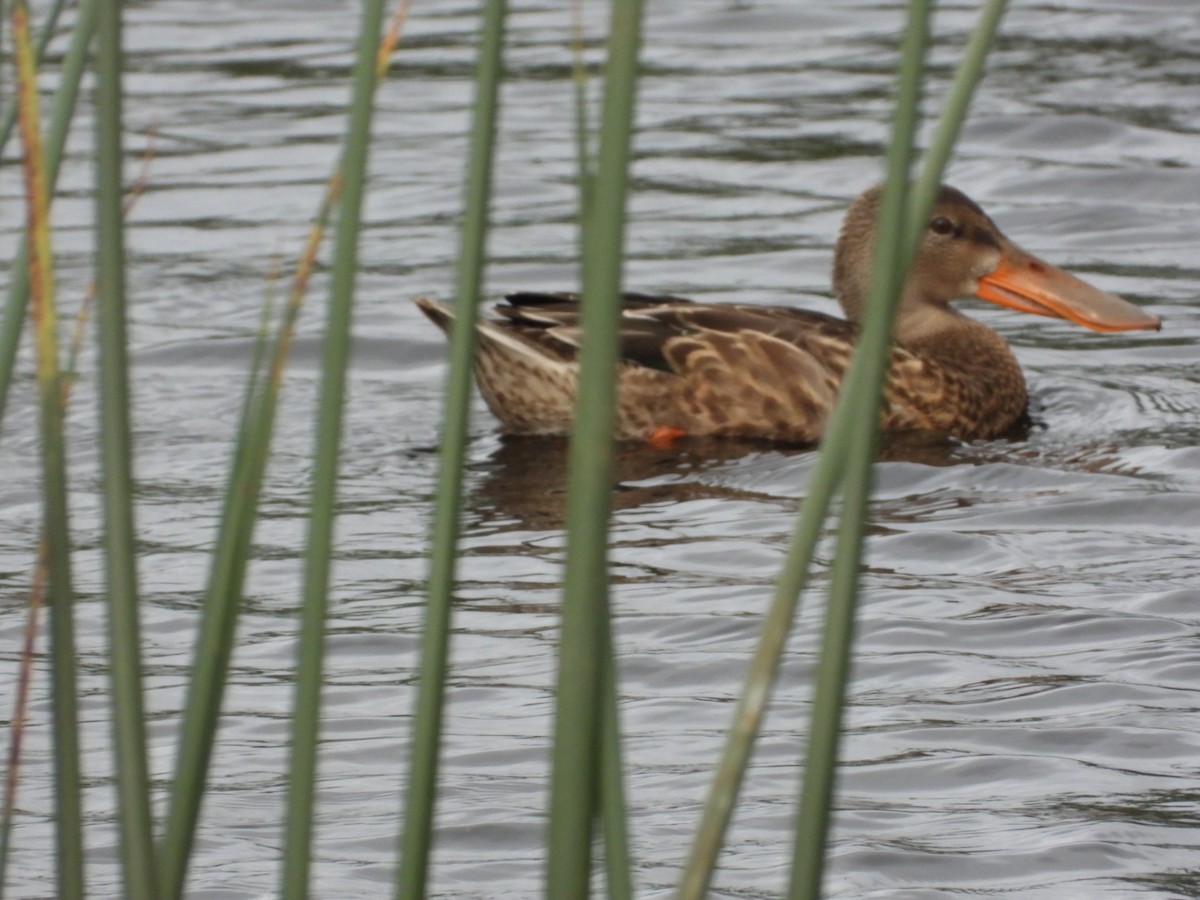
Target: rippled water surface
1024 713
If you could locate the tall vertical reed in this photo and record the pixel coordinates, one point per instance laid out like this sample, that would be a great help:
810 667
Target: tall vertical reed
12 320
853 416
902 219
234 536
68 783
421 790
230 558
310 663
618 871
863 387
125 653
585 651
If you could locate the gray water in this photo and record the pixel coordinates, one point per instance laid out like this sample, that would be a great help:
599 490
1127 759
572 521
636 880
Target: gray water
1023 717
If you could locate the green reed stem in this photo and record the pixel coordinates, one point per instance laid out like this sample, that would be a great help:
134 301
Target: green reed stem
231 557
56 138
617 869
823 485
19 720
68 784
421 795
129 718
901 223
585 655
13 316
310 663
862 389
214 644
44 37
612 778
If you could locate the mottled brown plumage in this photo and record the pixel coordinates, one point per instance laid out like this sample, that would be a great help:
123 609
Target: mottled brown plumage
773 372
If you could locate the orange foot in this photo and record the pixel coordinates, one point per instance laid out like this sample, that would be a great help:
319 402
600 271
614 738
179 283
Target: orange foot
664 438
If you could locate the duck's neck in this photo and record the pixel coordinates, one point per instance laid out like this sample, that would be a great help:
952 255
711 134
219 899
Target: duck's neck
989 385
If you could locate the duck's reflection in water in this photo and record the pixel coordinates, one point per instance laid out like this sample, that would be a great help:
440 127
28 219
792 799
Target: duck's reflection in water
524 482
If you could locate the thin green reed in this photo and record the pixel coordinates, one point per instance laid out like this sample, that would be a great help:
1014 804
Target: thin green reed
71 76
889 270
13 317
427 726
764 665
901 224
310 663
125 656
618 864
823 485
612 779
234 539
585 654
214 643
18 723
230 559
64 690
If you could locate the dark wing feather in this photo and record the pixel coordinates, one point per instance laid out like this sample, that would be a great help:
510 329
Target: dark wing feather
570 300
649 322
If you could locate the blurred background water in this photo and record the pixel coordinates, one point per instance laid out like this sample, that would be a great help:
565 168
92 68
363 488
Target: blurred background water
1024 714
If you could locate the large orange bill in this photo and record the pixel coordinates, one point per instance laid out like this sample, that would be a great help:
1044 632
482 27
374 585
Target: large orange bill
1026 283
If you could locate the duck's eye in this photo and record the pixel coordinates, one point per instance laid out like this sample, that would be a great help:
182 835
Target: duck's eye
941 225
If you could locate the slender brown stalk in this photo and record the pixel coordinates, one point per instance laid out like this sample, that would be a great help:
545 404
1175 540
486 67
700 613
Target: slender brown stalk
16 728
83 314
68 783
38 591
391 37
12 318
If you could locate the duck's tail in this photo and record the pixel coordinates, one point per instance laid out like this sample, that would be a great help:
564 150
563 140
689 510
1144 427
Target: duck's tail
528 389
436 313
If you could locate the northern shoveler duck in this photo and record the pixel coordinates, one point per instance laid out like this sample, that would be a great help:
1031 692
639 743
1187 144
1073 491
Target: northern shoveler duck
773 372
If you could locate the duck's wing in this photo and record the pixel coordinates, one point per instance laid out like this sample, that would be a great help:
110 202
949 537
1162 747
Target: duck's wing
553 320
761 371
652 325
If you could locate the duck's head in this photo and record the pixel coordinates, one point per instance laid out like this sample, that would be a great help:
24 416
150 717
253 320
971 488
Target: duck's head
963 254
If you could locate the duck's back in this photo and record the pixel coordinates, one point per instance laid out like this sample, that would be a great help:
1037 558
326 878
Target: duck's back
693 368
